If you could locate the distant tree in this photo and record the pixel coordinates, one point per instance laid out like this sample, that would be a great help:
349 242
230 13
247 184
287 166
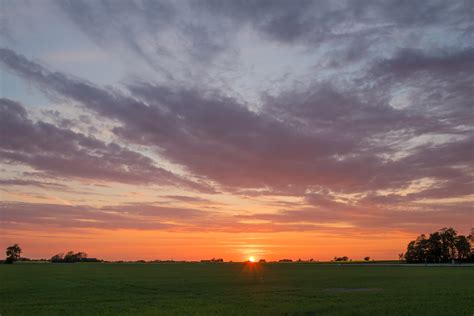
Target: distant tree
444 245
79 256
410 254
262 260
435 248
367 259
422 246
69 257
471 239
463 247
57 258
13 253
345 258
448 238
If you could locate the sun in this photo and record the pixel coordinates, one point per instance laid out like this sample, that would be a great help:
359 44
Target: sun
252 259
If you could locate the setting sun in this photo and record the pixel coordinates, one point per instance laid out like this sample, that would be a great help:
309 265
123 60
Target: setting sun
252 259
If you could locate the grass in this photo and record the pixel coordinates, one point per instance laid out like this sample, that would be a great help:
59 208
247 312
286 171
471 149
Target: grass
234 289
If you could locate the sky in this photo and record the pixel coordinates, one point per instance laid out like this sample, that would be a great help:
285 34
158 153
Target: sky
195 129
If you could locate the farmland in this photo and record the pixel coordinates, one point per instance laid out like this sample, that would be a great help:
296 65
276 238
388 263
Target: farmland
234 289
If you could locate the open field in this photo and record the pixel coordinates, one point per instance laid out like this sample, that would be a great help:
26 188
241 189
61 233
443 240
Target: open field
233 288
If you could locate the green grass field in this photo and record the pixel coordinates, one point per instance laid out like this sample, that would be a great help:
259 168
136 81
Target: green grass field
234 289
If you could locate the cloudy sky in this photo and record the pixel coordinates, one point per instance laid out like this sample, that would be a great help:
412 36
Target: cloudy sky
197 129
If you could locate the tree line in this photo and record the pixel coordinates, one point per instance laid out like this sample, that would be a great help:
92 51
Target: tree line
71 257
442 246
14 254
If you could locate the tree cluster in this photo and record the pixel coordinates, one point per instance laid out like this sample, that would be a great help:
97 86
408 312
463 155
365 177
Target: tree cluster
442 246
69 257
345 258
213 260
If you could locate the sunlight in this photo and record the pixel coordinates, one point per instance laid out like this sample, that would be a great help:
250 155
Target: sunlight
251 259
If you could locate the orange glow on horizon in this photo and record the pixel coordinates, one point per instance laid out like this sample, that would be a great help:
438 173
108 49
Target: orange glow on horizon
195 246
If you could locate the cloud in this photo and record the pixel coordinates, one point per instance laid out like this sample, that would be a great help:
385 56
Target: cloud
22 182
364 217
28 215
153 31
409 61
184 198
140 216
347 139
343 118
65 153
164 213
189 33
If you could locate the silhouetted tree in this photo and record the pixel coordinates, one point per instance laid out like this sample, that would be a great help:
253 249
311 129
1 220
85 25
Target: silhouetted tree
444 245
435 247
448 238
367 259
13 253
410 254
80 255
345 258
69 257
471 239
463 247
422 248
57 258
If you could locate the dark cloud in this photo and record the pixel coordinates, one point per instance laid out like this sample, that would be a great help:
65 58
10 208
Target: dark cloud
65 153
128 216
27 215
280 20
164 213
23 182
380 214
206 29
409 61
148 30
184 198
344 139
371 214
